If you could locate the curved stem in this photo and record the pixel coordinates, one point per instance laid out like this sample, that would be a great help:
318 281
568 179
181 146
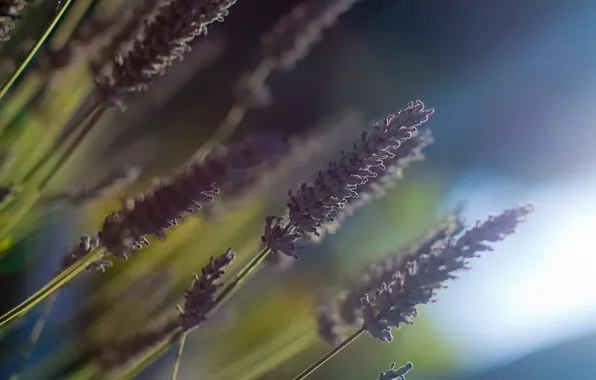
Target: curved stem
34 49
181 342
309 371
52 286
95 116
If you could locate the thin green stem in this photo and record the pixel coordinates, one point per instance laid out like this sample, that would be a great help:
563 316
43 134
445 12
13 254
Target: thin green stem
36 331
95 116
181 342
34 49
309 371
57 282
6 330
57 145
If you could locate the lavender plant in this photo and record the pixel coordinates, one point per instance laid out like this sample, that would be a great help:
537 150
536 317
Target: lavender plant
125 230
156 43
283 46
344 310
130 50
395 303
199 299
312 206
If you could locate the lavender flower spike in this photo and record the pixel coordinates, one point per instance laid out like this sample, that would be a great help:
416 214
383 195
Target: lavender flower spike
312 206
155 211
199 299
328 324
293 36
201 295
386 178
162 41
416 283
371 277
396 373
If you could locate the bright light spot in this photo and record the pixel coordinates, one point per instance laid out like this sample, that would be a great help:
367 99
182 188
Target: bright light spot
564 284
537 287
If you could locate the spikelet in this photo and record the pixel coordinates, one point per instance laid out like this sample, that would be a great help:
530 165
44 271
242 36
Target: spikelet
289 41
410 151
374 275
155 211
131 25
199 299
292 37
312 206
201 295
396 373
328 324
345 308
419 278
159 41
294 166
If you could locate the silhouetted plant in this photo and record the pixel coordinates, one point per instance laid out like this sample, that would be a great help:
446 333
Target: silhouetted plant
125 51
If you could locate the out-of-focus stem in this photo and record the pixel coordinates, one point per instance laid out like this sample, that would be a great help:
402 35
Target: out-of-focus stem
149 356
236 114
57 282
181 342
34 49
310 370
59 142
95 116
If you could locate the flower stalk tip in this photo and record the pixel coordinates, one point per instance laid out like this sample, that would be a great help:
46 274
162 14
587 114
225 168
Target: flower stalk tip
416 283
201 295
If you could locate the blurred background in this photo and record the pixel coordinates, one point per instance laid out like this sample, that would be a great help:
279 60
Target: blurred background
512 83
